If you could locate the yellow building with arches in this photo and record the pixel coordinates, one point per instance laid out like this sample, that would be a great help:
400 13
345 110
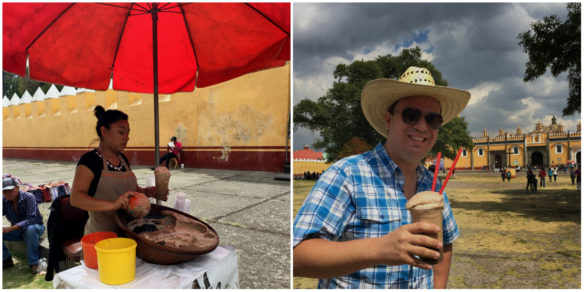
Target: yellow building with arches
544 146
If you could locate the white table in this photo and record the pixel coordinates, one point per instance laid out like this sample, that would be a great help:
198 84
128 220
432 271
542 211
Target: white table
217 269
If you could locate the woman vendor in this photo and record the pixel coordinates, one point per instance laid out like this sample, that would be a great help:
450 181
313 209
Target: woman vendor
103 178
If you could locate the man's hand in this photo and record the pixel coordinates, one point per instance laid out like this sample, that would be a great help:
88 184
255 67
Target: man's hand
320 258
400 246
9 229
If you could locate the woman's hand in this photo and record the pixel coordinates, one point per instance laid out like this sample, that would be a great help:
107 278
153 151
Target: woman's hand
123 200
150 192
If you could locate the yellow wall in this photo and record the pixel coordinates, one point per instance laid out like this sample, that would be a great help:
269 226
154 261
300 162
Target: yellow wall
251 110
301 167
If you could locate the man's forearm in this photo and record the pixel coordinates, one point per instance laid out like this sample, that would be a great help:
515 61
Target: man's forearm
319 258
10 229
442 269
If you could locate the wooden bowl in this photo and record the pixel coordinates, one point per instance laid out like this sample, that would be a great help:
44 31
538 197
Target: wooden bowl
155 252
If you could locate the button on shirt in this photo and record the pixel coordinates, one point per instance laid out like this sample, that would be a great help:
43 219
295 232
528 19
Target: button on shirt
362 197
28 212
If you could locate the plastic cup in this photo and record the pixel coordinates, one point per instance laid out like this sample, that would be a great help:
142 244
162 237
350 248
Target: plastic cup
182 165
433 216
187 206
179 204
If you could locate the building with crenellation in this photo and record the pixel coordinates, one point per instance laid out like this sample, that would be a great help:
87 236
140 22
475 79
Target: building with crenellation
544 146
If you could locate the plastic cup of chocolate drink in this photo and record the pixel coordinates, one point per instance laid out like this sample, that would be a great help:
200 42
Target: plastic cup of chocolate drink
427 207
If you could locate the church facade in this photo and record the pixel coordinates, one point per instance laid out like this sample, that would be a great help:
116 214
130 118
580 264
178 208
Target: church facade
545 146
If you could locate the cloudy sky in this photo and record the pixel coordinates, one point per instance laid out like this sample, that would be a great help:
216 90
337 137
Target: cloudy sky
475 46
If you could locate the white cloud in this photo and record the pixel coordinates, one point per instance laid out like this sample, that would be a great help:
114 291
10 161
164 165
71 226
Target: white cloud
526 114
316 85
545 85
481 91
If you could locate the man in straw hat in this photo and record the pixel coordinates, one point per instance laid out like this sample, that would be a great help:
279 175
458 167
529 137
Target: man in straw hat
353 230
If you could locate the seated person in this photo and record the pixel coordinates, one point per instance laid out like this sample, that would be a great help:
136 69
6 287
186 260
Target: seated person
172 151
20 208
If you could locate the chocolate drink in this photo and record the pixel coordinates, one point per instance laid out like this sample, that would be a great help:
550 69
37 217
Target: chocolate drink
427 207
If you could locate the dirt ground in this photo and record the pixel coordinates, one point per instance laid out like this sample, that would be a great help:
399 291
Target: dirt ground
509 238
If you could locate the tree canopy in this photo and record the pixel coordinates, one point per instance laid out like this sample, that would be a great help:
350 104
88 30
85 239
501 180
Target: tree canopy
337 115
551 43
12 83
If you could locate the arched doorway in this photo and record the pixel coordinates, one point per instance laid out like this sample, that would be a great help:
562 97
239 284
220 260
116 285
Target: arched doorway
498 161
537 159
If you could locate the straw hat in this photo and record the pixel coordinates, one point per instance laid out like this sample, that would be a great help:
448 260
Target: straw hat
379 94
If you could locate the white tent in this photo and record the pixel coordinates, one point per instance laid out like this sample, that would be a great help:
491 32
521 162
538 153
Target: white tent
79 90
26 97
15 100
53 92
68 90
5 101
38 95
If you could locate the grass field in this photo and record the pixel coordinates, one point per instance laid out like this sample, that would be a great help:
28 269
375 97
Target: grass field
20 276
509 238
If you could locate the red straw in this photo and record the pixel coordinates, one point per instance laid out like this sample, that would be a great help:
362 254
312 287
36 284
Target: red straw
437 167
451 170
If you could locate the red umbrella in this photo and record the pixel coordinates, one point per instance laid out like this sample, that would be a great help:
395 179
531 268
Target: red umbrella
144 47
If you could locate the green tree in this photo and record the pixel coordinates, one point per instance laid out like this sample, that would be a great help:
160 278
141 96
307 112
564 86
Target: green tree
9 84
13 83
556 45
452 136
337 115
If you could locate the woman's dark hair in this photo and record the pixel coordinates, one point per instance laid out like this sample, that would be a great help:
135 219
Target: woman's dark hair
106 118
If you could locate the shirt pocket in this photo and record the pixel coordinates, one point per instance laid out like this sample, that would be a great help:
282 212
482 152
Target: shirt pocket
376 221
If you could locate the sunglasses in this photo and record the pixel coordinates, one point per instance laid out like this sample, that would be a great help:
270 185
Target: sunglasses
412 116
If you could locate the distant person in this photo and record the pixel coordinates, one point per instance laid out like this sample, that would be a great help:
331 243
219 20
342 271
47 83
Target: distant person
531 181
542 177
555 173
503 175
550 173
172 150
26 224
508 175
578 178
573 175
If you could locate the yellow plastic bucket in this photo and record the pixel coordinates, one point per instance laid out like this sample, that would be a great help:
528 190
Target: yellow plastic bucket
116 260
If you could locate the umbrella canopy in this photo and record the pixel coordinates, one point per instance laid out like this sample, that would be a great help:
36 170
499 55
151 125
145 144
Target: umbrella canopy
87 44
144 47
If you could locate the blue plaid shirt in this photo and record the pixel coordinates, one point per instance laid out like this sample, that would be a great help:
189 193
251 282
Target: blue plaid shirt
361 197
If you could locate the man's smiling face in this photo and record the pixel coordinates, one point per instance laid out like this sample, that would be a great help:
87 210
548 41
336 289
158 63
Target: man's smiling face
411 142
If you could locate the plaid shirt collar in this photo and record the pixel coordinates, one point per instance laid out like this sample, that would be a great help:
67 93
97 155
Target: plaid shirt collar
384 161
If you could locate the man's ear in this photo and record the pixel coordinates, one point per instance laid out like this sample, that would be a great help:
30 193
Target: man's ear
387 119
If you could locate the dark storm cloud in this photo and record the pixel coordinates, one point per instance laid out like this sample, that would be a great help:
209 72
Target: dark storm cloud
336 28
516 103
473 45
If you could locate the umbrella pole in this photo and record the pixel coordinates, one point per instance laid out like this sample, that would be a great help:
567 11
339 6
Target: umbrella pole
155 69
